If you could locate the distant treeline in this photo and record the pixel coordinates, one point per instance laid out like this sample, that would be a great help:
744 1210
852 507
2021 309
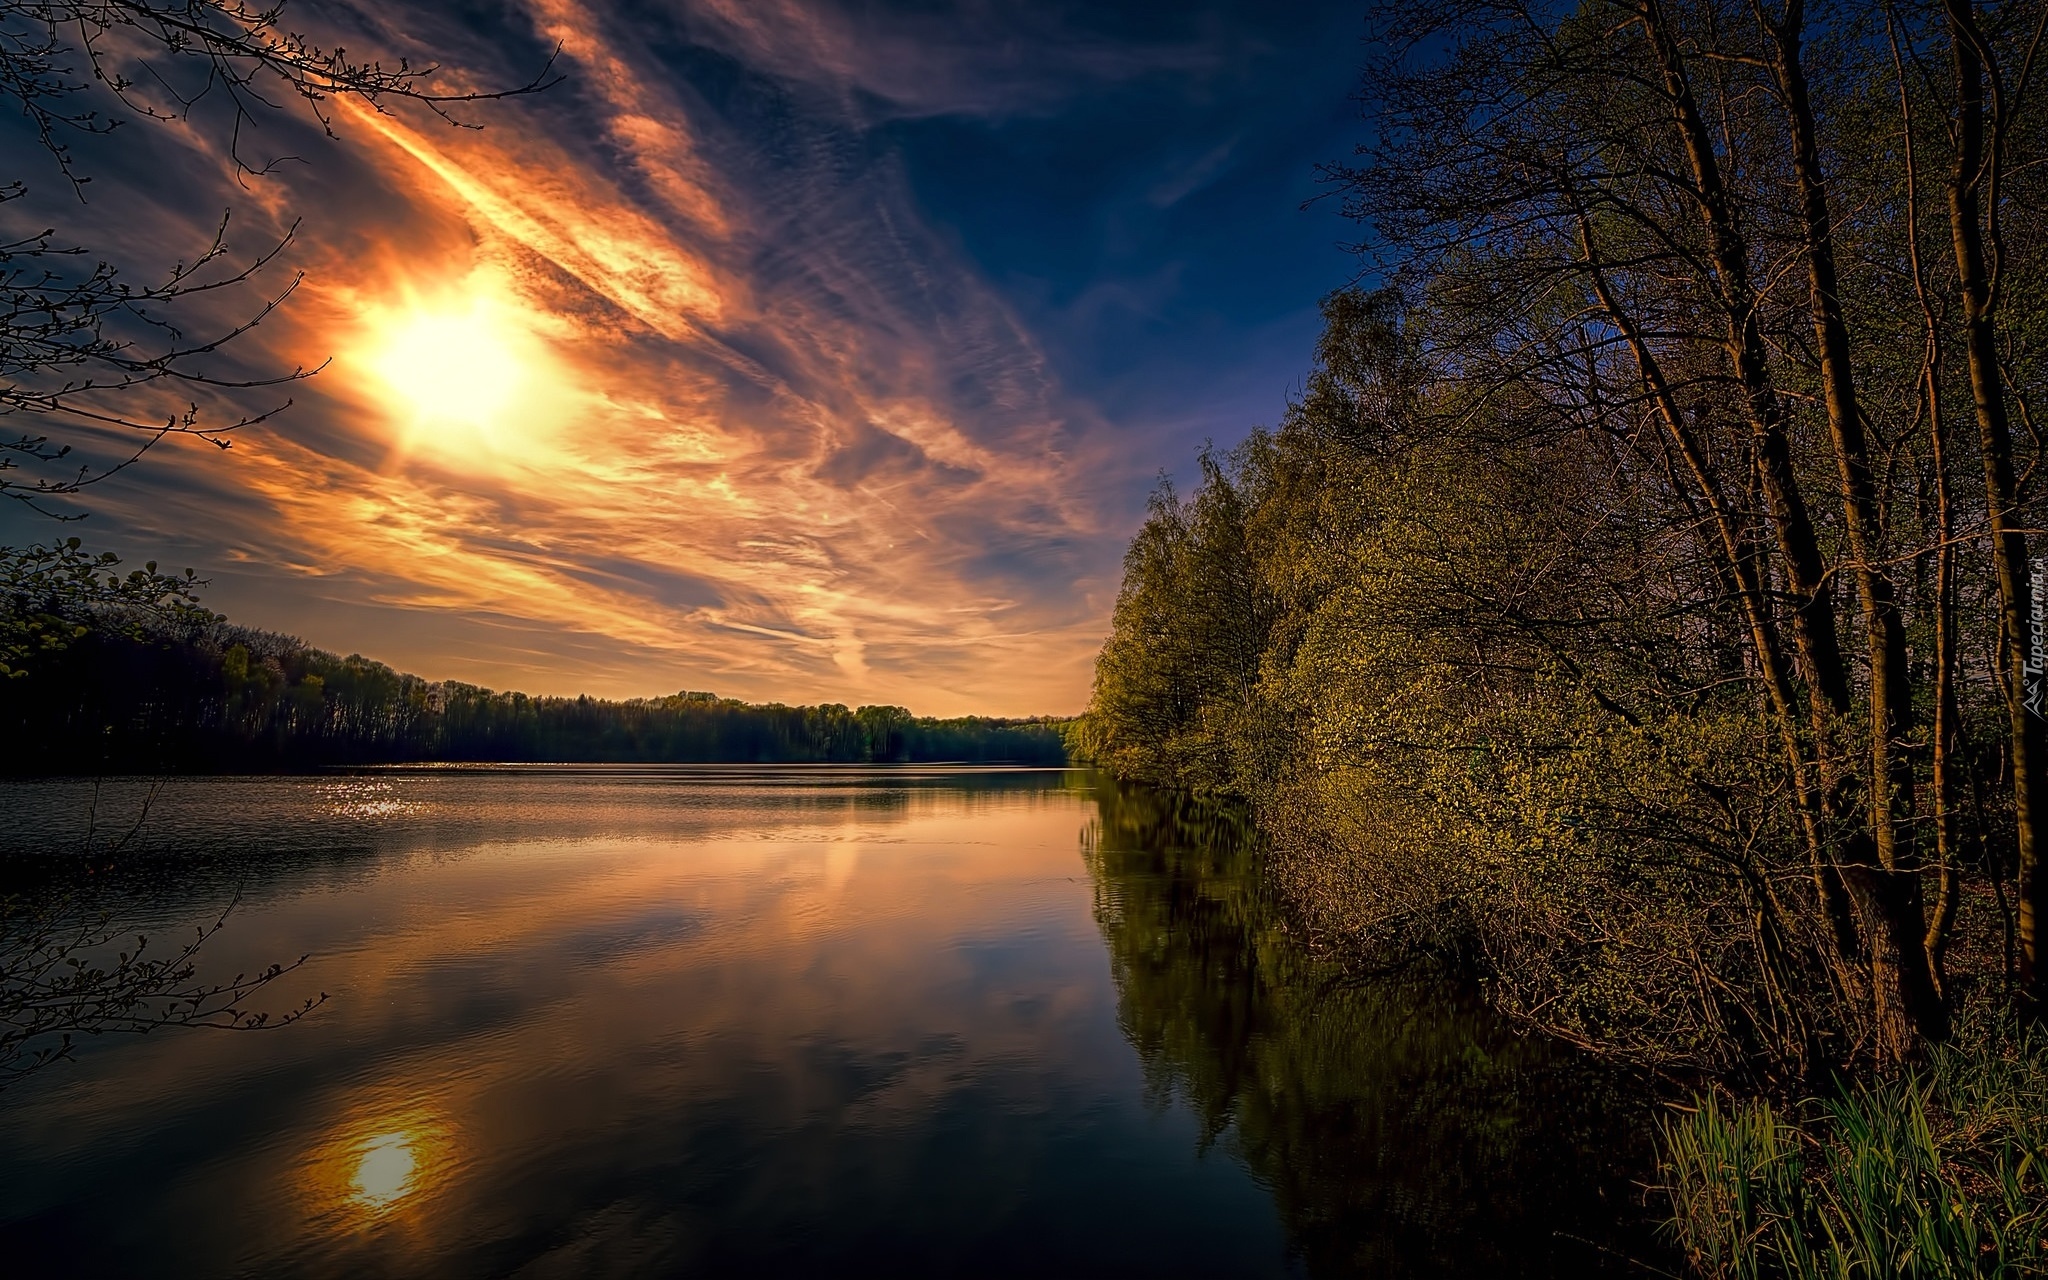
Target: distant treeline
146 693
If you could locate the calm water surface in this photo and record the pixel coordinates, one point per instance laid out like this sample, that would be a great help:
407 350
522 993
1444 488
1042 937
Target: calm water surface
774 1022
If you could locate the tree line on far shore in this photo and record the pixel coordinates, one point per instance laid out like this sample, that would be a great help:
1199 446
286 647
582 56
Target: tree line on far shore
107 674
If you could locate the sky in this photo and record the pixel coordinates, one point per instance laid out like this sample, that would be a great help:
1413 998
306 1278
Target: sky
796 350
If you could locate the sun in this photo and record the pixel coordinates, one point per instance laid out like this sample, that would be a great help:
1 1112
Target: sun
459 376
453 366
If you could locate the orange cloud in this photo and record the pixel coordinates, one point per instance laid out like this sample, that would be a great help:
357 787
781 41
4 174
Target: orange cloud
761 436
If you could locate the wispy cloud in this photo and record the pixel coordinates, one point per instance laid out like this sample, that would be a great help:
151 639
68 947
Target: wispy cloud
733 418
979 57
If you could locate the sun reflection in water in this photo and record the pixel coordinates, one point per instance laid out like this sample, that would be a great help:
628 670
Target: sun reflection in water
384 1174
383 1170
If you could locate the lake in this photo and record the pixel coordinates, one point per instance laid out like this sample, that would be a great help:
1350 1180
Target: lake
772 1021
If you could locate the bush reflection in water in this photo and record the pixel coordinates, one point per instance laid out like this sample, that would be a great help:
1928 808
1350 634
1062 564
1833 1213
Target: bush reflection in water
1402 1129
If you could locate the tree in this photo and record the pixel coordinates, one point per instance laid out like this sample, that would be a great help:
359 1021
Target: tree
50 597
1988 103
67 974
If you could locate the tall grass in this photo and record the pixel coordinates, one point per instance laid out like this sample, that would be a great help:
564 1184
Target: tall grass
1936 1174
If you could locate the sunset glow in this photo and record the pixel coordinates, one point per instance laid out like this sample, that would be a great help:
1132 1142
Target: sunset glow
624 388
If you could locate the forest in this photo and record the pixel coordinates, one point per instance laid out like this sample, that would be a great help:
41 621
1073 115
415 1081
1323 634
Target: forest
1637 606
108 673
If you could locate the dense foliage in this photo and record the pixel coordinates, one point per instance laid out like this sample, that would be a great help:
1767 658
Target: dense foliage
135 677
1635 601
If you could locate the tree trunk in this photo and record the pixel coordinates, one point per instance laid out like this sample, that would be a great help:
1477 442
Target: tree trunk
1746 575
1942 780
1976 166
1813 615
1896 891
1896 994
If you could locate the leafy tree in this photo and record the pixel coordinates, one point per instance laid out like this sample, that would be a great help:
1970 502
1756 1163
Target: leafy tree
51 597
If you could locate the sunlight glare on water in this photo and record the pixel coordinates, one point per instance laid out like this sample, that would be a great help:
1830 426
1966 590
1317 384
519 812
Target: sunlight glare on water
385 1172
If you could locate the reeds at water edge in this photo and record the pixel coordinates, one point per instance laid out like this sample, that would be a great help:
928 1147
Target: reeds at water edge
1940 1172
